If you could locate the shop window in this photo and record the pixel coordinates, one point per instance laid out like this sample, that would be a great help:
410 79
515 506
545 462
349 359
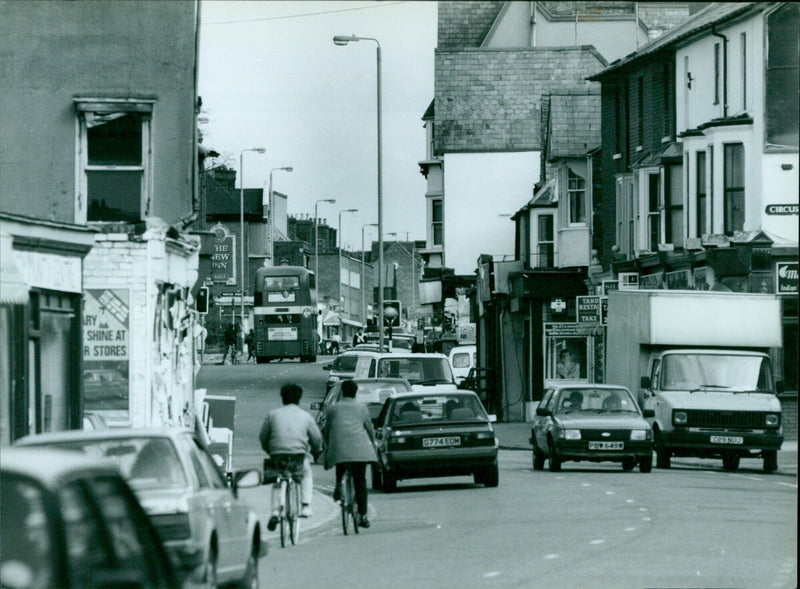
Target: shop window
734 187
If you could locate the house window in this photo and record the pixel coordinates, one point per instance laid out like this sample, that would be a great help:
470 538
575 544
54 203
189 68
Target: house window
783 74
437 218
666 84
711 188
630 197
653 210
576 197
734 187
545 243
701 193
626 215
716 73
640 113
114 150
743 39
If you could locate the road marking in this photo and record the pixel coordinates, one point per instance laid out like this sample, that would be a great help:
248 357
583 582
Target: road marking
586 485
598 541
741 476
609 492
551 556
642 509
629 501
630 529
491 574
646 519
787 485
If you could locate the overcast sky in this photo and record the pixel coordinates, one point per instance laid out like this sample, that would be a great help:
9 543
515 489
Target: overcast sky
270 76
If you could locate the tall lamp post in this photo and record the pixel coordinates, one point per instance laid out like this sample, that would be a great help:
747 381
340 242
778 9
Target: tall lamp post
340 249
241 226
363 276
272 214
316 241
344 40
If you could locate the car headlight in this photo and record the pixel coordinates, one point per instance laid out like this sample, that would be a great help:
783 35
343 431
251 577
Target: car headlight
307 312
680 417
773 419
333 378
638 434
571 434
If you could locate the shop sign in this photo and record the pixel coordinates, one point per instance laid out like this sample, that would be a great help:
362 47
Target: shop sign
679 280
651 281
106 349
223 259
588 309
628 281
609 285
50 271
778 209
604 310
558 305
787 277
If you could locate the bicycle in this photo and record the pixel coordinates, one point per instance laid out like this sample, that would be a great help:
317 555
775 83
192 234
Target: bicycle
234 357
347 500
287 467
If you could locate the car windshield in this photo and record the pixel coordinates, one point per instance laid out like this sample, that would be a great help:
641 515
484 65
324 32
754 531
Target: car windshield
345 363
378 392
597 400
144 462
416 370
681 372
438 409
25 548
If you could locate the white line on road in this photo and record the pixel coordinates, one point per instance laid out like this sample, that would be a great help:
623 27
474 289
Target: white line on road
630 529
646 519
551 556
787 485
597 541
491 574
629 501
741 476
586 485
642 509
609 492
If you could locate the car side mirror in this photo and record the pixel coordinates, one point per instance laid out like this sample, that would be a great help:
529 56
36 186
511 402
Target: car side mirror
492 418
245 479
780 386
649 413
543 412
645 382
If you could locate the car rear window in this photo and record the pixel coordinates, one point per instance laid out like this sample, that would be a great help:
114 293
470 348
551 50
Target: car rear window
345 363
416 369
378 392
25 548
438 408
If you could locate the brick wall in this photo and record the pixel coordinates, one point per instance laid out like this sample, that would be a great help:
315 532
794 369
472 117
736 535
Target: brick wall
490 100
465 24
789 407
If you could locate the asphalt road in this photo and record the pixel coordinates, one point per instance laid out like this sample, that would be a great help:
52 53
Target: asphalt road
588 526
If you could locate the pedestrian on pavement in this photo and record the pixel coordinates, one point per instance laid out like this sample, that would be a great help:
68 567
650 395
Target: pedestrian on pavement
291 430
350 441
229 341
359 337
250 340
335 341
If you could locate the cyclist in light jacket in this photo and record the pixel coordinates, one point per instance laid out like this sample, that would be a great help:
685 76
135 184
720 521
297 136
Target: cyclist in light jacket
350 440
291 430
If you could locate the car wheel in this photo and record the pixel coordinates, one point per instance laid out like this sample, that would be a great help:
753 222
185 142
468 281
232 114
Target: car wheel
646 463
210 573
628 463
538 459
377 479
554 458
389 482
250 579
490 476
730 462
662 453
770 460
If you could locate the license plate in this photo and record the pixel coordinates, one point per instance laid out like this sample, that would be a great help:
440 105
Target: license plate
727 440
282 334
606 445
441 442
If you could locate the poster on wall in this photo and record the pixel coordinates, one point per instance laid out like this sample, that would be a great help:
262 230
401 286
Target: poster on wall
106 352
566 346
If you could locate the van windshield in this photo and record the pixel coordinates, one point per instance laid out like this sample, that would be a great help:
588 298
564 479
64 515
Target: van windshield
681 372
417 370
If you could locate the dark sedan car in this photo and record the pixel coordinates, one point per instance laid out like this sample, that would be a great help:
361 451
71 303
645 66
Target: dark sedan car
435 435
372 391
591 422
72 521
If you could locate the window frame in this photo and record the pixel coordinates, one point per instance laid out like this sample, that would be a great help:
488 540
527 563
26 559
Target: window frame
716 73
550 260
701 192
437 203
144 107
572 193
728 192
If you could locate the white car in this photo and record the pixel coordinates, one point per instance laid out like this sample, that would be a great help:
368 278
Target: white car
462 358
425 372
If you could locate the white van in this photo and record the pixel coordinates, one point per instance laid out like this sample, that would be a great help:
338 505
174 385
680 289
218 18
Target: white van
425 372
462 358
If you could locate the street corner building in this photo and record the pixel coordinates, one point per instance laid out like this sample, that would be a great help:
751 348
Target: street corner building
98 190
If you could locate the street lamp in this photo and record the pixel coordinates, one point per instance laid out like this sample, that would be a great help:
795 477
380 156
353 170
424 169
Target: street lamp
363 276
316 240
241 224
344 40
272 214
340 249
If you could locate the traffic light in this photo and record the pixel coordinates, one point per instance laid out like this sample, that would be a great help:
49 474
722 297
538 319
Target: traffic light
391 313
203 298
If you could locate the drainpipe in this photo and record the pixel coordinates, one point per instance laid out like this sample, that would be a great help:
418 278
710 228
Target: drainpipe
724 70
533 24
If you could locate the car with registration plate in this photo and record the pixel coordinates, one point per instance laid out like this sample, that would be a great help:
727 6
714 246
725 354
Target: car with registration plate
70 521
427 372
436 434
591 422
371 391
211 531
342 367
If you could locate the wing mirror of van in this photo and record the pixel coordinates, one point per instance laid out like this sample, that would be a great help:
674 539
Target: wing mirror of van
542 412
645 383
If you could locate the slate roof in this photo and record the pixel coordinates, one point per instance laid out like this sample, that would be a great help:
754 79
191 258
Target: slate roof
713 14
222 200
574 124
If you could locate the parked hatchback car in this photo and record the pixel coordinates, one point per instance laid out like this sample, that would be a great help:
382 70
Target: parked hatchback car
212 532
372 391
342 368
71 521
591 422
435 435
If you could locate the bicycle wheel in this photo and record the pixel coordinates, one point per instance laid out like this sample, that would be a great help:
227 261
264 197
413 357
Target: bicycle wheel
351 491
283 508
345 503
293 510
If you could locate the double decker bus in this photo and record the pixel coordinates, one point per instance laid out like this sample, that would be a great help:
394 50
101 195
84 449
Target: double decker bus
285 313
